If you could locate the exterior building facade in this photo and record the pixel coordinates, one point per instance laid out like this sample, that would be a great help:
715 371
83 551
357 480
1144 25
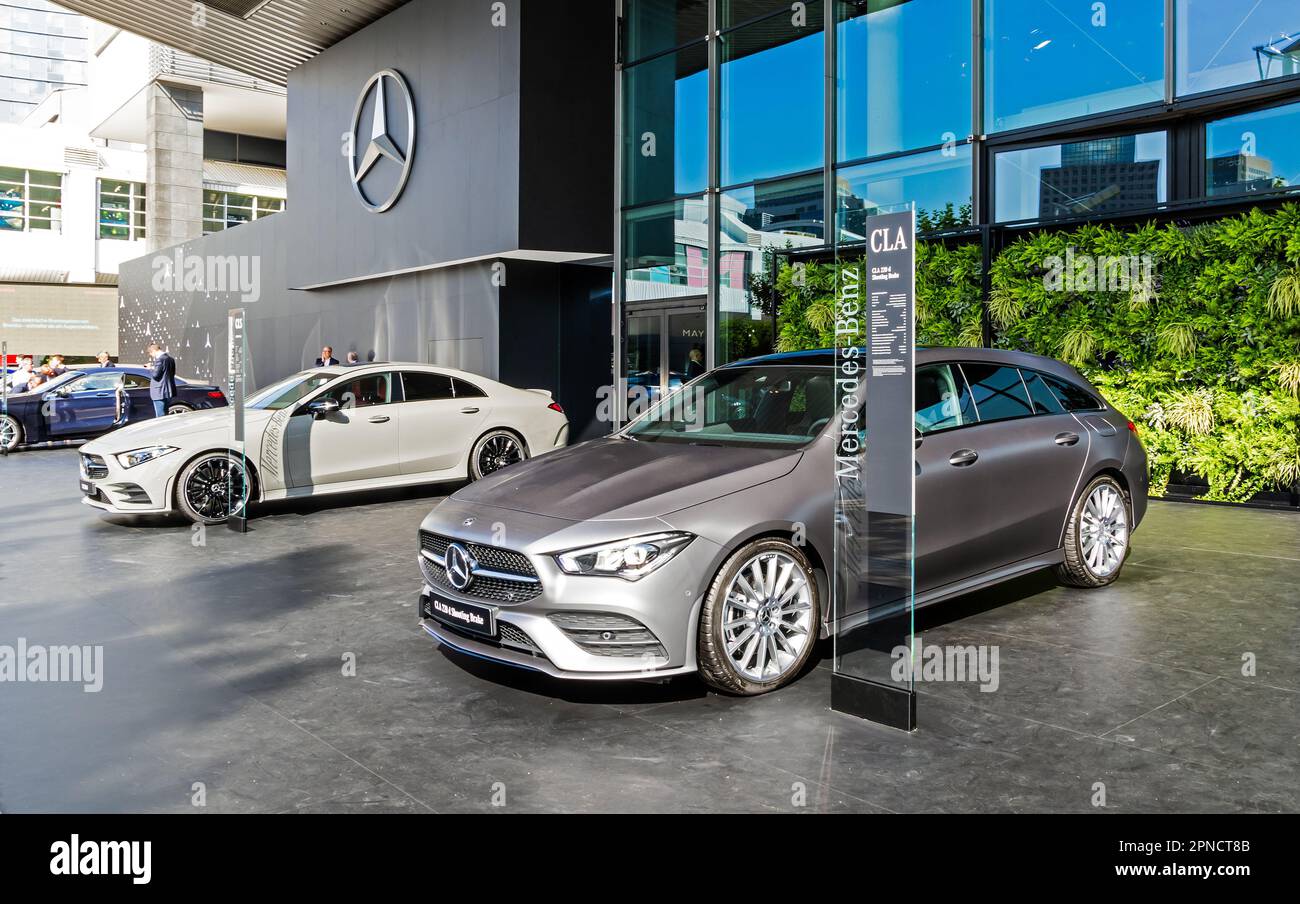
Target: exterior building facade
43 48
753 126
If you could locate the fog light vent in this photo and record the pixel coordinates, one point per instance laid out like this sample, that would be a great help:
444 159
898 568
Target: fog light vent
609 634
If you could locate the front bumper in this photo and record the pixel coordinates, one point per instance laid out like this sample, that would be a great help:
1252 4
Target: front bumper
549 632
143 490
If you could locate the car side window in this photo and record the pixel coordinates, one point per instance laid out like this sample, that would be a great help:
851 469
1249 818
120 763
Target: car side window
466 390
94 383
365 391
942 399
998 391
419 386
1074 398
1040 395
136 381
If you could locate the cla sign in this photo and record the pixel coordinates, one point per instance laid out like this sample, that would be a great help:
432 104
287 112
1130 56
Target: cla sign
882 241
378 144
460 567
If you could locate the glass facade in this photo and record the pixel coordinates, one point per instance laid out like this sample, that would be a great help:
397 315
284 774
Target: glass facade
223 209
42 48
121 210
746 124
30 200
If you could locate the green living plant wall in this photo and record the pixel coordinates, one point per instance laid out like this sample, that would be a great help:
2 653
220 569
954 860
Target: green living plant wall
1193 332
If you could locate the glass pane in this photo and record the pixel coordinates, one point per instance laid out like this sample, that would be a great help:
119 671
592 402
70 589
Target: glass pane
1040 395
734 12
114 232
665 249
115 188
1253 152
651 26
942 399
425 387
939 182
666 126
687 333
919 73
9 174
114 202
113 217
39 177
773 98
1223 44
787 214
998 392
1106 175
54 195
1046 60
642 362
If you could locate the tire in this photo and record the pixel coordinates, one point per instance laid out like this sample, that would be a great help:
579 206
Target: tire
495 450
179 408
1103 507
11 433
761 667
200 488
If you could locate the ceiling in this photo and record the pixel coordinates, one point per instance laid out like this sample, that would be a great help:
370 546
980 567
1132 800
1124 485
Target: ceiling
276 38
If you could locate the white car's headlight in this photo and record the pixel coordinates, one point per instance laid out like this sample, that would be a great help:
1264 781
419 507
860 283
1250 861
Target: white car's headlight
140 456
630 559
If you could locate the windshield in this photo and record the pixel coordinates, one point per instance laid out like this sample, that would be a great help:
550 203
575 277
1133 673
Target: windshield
767 407
288 392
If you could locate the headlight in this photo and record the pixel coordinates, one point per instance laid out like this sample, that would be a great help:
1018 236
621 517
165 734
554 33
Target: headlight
630 559
140 456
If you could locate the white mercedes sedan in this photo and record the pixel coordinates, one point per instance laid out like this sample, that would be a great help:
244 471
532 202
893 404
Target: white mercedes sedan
326 430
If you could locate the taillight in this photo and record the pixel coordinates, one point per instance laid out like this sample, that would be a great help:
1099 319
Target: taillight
215 394
1132 428
555 406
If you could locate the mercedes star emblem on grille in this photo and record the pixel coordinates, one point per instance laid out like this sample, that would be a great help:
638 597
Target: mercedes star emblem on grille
460 566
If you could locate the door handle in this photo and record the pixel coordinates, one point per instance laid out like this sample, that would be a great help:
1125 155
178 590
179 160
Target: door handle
469 411
105 395
963 458
1066 439
380 419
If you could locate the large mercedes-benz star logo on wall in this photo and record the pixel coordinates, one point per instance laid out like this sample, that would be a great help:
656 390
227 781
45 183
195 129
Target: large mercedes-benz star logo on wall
395 145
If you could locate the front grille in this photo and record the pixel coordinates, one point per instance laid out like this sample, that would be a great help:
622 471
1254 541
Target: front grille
514 636
94 467
609 634
510 637
507 562
131 493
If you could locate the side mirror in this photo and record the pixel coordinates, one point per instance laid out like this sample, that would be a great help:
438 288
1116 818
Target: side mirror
920 438
323 408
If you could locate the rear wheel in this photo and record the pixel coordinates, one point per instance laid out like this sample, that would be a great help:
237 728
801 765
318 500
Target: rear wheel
179 408
1097 537
494 451
760 619
213 487
11 433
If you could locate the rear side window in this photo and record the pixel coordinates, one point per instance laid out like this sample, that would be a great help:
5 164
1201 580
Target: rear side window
942 399
366 392
1044 401
998 391
426 387
468 390
1073 397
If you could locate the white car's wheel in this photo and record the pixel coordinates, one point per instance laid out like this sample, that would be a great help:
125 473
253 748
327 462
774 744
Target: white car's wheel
493 451
11 433
213 487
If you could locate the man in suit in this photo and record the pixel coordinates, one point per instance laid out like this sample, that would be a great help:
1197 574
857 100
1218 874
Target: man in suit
162 385
327 358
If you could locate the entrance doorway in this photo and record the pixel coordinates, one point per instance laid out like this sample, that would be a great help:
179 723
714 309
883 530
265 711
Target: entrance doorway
666 347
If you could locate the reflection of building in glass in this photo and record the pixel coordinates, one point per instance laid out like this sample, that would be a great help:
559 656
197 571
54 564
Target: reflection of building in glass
853 211
1236 173
1099 176
42 49
1279 57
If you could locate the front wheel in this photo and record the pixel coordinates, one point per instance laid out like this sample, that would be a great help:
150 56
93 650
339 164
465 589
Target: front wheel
1097 537
494 451
760 619
213 487
11 432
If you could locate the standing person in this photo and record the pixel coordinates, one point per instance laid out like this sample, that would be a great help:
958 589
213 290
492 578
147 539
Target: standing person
162 385
19 379
104 359
56 364
695 363
353 359
327 358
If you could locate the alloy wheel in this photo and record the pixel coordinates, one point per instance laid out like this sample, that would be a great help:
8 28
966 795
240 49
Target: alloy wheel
497 451
8 433
767 617
1104 530
212 485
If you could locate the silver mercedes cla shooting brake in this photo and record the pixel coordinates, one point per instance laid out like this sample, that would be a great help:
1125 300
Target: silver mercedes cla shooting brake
698 538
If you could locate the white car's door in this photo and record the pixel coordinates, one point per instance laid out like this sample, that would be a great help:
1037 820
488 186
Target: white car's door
438 426
357 442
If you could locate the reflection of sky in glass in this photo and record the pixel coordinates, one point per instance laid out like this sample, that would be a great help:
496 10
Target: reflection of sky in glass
1050 61
691 161
1019 175
1217 41
772 104
1270 134
916 58
931 180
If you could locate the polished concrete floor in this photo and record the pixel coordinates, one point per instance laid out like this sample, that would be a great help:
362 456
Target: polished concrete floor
224 682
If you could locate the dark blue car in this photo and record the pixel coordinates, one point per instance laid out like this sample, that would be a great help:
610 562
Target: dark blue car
90 401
